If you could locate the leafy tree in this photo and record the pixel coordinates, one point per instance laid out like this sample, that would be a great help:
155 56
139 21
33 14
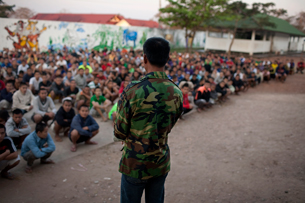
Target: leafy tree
238 10
5 10
298 21
23 13
190 15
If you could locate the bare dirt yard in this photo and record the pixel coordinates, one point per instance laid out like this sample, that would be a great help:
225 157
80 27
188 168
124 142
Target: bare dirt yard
250 149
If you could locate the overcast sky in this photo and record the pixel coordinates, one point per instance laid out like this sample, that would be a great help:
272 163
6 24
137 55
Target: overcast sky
137 9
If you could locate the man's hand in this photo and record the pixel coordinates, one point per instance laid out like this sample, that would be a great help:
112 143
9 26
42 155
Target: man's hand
31 107
66 120
85 128
4 154
16 130
24 127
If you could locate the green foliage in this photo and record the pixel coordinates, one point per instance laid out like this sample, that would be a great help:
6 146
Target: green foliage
5 10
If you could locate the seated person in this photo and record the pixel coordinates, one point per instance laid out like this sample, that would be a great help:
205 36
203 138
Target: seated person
57 88
89 76
63 118
9 74
71 91
4 116
213 93
224 92
45 83
38 145
83 128
9 157
202 97
80 79
98 103
34 82
94 84
110 91
281 73
27 76
23 98
301 66
17 128
187 107
68 78
238 84
266 75
42 104
83 97
6 95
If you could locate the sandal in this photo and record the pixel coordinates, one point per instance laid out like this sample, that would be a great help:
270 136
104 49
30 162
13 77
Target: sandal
73 149
8 175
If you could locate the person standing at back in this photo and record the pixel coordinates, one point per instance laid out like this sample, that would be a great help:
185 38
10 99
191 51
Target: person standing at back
147 111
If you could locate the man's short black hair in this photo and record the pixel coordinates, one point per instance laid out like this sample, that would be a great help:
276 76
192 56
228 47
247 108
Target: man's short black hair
22 83
17 111
83 106
42 89
2 126
4 115
157 51
10 81
185 85
40 127
21 72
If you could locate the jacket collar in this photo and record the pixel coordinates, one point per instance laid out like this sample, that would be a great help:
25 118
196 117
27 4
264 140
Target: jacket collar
157 74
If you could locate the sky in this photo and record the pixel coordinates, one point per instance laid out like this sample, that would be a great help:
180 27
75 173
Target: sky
136 9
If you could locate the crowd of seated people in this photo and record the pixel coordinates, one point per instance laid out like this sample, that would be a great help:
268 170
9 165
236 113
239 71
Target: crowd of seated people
87 84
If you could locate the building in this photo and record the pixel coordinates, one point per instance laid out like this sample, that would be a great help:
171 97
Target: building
110 19
250 38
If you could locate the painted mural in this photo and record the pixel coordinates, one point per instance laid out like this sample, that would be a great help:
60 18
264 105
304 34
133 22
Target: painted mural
54 35
26 32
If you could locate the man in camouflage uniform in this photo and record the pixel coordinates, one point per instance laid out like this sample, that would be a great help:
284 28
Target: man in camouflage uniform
147 111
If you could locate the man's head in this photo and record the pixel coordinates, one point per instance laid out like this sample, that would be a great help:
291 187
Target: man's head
44 77
84 111
86 90
2 132
37 75
156 52
81 71
69 74
23 87
207 84
9 85
23 62
29 71
58 80
42 130
17 116
97 92
185 88
67 104
72 84
9 69
43 93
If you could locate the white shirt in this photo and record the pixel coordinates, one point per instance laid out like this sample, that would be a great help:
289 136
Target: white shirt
61 63
35 83
44 66
23 68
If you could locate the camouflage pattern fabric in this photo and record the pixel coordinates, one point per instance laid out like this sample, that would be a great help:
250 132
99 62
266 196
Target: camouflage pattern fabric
147 111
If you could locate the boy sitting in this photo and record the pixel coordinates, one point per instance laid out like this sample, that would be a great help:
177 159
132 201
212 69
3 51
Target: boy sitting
6 95
98 103
63 118
17 128
83 97
23 98
57 88
41 104
83 128
38 145
34 83
187 107
9 157
238 84
202 98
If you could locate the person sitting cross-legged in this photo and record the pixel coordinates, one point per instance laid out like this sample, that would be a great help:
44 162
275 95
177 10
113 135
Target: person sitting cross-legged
57 88
83 128
6 95
42 104
63 118
23 99
203 96
38 145
17 128
187 107
238 84
98 103
9 157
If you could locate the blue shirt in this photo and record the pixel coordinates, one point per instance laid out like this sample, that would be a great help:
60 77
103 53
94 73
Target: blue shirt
79 122
35 144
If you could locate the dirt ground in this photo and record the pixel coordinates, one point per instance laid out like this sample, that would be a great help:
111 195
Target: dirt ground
250 149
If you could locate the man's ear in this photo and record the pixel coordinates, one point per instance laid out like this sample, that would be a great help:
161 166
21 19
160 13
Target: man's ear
145 59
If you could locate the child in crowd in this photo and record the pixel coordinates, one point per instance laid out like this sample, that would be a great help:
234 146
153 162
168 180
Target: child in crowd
99 103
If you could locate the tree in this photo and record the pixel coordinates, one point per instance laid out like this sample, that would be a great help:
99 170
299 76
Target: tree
5 9
298 21
23 13
238 10
190 15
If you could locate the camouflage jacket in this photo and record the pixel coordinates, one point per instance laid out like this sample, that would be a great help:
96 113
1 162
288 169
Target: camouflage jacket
147 111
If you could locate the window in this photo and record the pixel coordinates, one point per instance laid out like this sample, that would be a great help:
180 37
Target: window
259 35
240 34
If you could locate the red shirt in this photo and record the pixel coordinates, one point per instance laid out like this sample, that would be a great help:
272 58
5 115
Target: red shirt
105 66
103 77
301 64
186 103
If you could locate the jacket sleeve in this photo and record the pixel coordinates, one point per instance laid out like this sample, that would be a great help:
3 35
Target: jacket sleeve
10 130
122 124
26 130
94 126
17 103
52 106
35 149
36 107
76 125
51 146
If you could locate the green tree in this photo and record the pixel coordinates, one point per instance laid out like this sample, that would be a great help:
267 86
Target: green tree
238 10
190 15
5 10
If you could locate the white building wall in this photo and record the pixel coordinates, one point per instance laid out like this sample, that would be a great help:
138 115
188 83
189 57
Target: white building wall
280 42
301 44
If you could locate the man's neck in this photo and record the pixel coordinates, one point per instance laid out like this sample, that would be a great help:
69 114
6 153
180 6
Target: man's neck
151 68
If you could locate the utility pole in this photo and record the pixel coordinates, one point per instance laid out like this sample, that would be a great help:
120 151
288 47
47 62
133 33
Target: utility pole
159 4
